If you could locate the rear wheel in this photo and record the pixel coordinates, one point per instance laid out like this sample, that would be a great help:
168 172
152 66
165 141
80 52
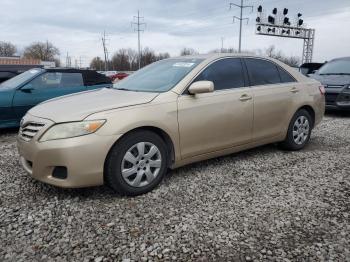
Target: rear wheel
299 131
137 163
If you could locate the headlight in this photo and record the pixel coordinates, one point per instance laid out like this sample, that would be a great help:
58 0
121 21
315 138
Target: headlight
72 129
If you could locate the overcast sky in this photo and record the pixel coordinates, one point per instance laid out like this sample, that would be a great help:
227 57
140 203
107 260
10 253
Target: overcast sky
77 26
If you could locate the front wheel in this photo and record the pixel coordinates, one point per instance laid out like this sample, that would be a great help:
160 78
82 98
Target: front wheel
137 163
299 131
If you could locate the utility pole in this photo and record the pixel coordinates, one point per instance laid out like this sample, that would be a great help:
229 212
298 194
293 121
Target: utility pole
68 60
222 44
105 50
240 18
139 30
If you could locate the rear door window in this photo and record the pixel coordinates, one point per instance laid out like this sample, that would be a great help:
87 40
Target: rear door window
262 72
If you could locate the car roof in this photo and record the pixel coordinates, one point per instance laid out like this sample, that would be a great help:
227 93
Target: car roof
91 77
218 55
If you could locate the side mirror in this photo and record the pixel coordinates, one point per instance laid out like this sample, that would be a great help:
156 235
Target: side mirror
28 88
201 87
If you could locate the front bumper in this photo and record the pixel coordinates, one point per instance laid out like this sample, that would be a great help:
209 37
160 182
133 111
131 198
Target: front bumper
83 157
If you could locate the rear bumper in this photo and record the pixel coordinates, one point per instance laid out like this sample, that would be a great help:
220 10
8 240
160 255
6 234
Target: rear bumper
83 157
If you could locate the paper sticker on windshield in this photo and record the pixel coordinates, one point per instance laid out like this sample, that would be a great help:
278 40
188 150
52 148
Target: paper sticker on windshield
33 71
183 64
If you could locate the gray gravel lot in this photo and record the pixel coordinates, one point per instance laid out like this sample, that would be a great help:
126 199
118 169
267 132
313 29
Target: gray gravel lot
262 204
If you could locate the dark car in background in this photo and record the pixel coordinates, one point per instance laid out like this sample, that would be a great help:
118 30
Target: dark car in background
22 92
335 76
310 68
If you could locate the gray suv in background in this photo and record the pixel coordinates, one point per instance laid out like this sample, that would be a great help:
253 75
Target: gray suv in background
335 76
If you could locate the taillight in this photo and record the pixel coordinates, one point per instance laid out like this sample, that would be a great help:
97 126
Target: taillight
322 90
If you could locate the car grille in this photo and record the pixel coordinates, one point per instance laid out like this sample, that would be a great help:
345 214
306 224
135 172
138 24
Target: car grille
29 130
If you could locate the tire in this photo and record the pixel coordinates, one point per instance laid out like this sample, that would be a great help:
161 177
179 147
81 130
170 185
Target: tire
299 131
130 172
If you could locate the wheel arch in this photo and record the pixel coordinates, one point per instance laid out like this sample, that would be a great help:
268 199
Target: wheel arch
160 132
311 111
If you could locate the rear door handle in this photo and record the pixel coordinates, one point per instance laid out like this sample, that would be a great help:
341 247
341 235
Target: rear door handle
245 97
294 90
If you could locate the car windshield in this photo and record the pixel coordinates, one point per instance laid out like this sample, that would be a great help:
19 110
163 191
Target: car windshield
19 79
160 76
336 67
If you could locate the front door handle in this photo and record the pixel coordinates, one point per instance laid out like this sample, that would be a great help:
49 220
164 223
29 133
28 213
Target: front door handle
294 90
245 97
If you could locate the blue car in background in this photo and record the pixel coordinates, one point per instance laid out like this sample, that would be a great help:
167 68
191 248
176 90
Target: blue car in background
22 92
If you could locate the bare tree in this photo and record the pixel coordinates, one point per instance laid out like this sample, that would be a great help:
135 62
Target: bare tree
97 63
45 51
133 59
188 51
127 59
7 49
162 56
293 61
120 60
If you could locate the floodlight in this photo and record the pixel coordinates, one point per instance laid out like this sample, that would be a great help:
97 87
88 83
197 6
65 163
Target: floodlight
258 28
285 11
299 14
271 19
274 11
258 19
300 22
260 9
286 21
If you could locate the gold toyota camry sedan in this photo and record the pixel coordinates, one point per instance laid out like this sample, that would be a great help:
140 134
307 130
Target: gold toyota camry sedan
169 114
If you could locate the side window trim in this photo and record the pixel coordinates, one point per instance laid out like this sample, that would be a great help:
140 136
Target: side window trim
281 69
245 76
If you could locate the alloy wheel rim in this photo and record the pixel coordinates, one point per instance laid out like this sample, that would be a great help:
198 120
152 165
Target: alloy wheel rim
141 164
301 130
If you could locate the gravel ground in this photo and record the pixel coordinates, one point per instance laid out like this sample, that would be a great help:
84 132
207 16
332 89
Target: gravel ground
261 204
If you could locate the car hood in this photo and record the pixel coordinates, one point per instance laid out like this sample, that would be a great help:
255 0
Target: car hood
326 80
78 106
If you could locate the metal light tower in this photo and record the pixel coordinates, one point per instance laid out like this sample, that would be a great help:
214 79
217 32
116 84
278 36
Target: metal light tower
278 24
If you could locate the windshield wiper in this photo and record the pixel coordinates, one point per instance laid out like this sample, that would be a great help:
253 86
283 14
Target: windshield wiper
124 89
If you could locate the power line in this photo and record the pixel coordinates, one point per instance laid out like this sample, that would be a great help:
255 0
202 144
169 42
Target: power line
139 25
240 18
